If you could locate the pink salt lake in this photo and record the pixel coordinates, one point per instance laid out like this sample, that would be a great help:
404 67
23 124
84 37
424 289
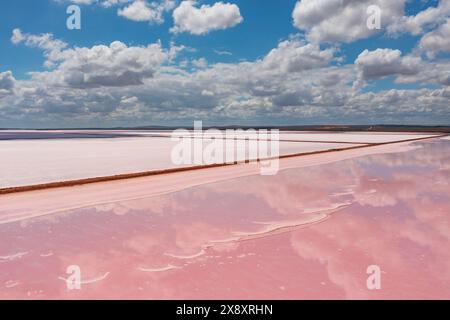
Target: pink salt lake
309 232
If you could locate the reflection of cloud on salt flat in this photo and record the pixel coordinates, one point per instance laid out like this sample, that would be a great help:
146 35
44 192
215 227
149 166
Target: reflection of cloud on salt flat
153 205
380 193
347 245
403 227
436 153
295 191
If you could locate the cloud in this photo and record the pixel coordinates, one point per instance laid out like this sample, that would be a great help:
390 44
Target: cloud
52 47
200 63
417 24
7 83
380 63
188 18
436 41
112 3
436 72
7 80
114 65
86 2
295 55
17 36
407 106
152 12
43 41
223 53
342 21
83 1
95 80
103 3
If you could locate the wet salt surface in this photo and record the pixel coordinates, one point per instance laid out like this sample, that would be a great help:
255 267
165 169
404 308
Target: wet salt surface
304 233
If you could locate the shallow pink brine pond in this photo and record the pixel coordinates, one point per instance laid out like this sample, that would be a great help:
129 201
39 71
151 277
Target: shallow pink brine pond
305 233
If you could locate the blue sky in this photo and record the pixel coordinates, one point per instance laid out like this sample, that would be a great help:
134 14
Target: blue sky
247 61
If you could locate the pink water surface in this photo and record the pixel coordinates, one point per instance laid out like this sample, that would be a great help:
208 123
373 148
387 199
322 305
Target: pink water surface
306 233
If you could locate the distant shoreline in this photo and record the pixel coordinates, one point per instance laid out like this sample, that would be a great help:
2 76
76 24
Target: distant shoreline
326 128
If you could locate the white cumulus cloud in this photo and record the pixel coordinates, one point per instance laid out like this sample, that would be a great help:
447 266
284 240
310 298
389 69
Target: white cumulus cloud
52 47
416 24
7 83
101 65
189 18
436 41
381 63
152 12
342 21
295 55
